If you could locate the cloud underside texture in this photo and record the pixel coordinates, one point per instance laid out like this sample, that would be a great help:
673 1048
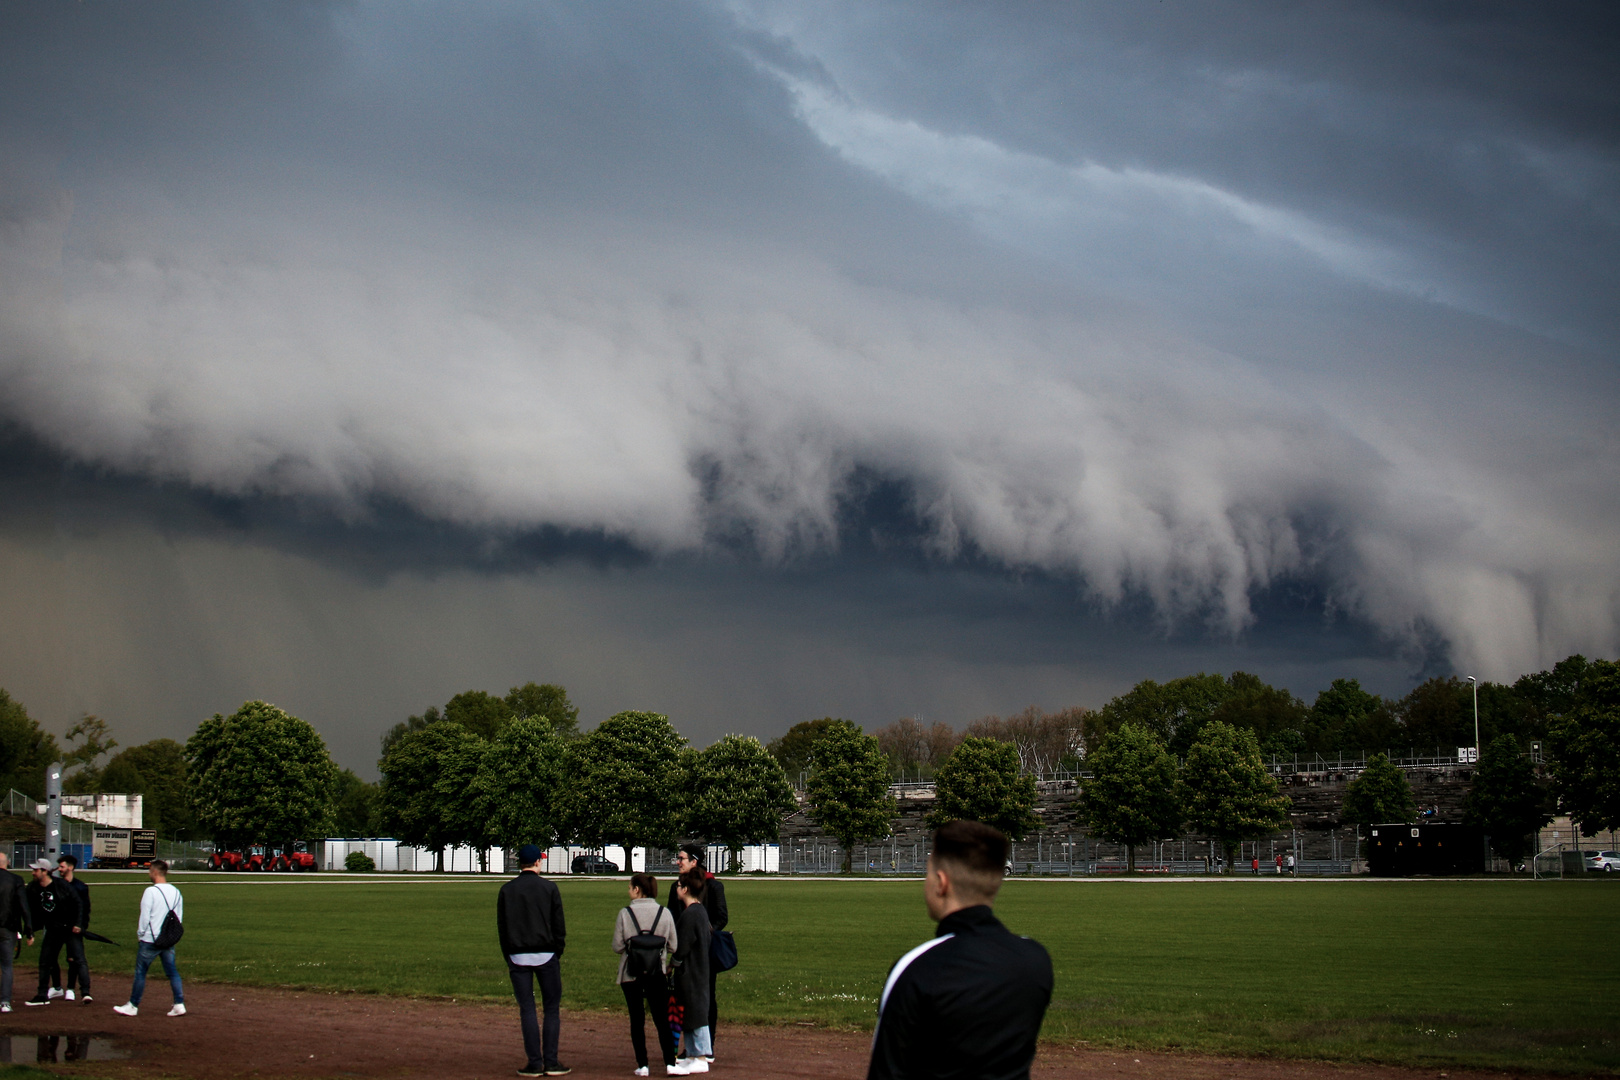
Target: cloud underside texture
692 276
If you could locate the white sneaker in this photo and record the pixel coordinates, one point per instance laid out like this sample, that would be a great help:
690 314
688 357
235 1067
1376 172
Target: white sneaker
643 1071
69 995
55 993
697 1065
5 1007
126 1009
677 1069
178 1010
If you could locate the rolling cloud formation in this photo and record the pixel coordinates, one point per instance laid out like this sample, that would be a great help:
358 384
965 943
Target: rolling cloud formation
1187 307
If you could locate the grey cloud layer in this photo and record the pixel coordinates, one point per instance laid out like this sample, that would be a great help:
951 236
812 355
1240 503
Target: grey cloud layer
647 272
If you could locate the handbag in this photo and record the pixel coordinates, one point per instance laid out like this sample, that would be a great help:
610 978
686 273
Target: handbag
722 950
170 932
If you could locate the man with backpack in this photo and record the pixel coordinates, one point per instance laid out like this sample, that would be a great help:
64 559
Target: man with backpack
529 919
644 936
162 920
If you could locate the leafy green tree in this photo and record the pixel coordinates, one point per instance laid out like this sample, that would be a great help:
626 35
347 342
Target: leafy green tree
156 771
1277 718
1584 748
479 711
546 701
795 749
25 750
848 789
430 715
1379 795
1346 717
1438 713
355 806
738 794
519 783
1134 796
1230 795
1506 800
260 775
1174 711
625 782
425 798
982 781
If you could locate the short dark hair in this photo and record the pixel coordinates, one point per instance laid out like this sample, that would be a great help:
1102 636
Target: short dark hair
978 854
694 883
70 859
160 866
697 852
647 884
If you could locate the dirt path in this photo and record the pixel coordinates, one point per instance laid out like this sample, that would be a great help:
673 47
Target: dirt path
235 1031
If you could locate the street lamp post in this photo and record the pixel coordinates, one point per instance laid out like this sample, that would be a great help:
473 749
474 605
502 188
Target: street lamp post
1473 682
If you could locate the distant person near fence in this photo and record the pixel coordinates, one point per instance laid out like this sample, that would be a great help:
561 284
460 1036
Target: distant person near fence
968 1003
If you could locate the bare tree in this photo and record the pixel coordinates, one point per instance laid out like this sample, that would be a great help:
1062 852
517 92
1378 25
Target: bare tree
915 749
1042 739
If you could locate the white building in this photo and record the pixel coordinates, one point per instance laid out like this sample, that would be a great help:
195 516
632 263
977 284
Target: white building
112 811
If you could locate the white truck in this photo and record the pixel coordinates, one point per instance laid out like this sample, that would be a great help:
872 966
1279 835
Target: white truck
122 848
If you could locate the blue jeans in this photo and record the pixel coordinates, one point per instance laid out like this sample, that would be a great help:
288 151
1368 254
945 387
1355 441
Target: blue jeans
549 976
698 1043
144 955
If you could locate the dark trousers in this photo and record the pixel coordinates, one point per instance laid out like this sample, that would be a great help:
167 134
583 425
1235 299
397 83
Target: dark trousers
550 976
78 968
649 990
56 939
8 940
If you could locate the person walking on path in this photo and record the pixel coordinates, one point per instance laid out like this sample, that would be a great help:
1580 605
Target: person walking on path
690 857
693 970
78 966
55 907
529 919
1279 864
157 901
1254 864
967 1004
15 924
647 987
1290 864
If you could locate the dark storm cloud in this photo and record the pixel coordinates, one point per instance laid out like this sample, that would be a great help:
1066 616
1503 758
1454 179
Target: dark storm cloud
1175 315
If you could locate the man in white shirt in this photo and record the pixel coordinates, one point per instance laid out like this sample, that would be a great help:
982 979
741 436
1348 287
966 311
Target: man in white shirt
159 899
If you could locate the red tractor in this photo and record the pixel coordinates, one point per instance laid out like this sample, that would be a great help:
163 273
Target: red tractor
295 858
257 857
226 860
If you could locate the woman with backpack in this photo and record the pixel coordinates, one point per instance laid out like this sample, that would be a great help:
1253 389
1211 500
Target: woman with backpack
644 937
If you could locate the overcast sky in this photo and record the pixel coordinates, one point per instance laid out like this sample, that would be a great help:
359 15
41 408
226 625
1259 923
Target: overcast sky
755 362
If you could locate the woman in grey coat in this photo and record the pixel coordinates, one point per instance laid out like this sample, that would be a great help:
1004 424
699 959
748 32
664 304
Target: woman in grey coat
692 969
649 991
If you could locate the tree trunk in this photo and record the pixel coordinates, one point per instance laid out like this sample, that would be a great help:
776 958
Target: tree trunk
849 855
438 860
736 858
1231 856
1130 858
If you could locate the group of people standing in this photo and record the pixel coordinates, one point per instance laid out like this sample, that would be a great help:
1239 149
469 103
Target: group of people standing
666 965
56 904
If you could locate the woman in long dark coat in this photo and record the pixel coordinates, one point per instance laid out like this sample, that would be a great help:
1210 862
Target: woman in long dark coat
692 969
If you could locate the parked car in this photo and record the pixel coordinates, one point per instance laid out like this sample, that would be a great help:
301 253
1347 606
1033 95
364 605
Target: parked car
594 864
1607 861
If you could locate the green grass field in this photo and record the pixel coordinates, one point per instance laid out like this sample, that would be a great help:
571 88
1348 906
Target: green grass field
1509 974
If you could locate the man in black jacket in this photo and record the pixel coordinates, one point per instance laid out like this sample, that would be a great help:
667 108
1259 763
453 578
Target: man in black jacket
690 857
55 907
15 922
967 1003
78 966
529 916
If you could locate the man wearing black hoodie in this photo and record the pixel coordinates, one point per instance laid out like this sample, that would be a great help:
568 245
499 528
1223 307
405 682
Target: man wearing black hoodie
966 1004
55 907
529 916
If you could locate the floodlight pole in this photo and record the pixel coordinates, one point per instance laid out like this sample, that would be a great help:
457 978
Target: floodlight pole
1477 748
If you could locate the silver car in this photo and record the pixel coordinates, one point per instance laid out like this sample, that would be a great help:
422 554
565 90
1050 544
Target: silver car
1607 861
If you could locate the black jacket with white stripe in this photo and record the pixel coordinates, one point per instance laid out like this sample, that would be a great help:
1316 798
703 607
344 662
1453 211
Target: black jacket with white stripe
967 1003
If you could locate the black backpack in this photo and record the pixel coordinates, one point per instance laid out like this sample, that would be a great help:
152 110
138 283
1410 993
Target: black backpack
169 933
644 952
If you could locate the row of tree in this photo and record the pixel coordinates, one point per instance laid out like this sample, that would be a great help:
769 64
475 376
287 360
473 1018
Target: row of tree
1344 718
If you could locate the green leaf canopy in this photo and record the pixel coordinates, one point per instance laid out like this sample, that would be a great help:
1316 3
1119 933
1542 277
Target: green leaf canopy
260 775
981 781
519 783
625 783
1134 796
1231 796
738 794
848 789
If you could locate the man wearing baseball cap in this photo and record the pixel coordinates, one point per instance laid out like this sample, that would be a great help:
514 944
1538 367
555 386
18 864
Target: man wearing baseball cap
529 916
55 906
